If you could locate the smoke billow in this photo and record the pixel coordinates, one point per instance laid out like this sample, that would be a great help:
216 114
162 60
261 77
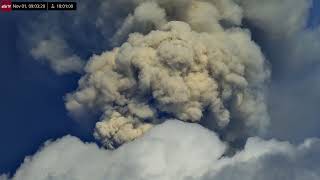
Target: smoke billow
178 85
188 70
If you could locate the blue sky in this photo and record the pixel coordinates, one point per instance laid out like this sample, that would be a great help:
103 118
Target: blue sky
32 107
315 14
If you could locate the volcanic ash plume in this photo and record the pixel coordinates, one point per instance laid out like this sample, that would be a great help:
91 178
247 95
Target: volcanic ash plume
193 70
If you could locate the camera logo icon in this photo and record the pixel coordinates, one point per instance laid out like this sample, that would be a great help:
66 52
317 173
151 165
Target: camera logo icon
5 5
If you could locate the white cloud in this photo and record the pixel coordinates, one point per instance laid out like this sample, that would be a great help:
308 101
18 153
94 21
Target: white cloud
165 153
173 150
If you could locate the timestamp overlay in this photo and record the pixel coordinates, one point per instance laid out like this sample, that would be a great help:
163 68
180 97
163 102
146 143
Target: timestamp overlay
46 6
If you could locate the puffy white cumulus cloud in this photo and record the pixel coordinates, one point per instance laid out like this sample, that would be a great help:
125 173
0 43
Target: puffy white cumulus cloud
164 153
177 73
173 150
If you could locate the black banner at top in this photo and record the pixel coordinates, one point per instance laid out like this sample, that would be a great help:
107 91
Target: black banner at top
13 6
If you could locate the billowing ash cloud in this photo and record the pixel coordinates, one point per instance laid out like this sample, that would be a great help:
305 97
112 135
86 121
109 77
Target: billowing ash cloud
173 150
192 71
160 68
